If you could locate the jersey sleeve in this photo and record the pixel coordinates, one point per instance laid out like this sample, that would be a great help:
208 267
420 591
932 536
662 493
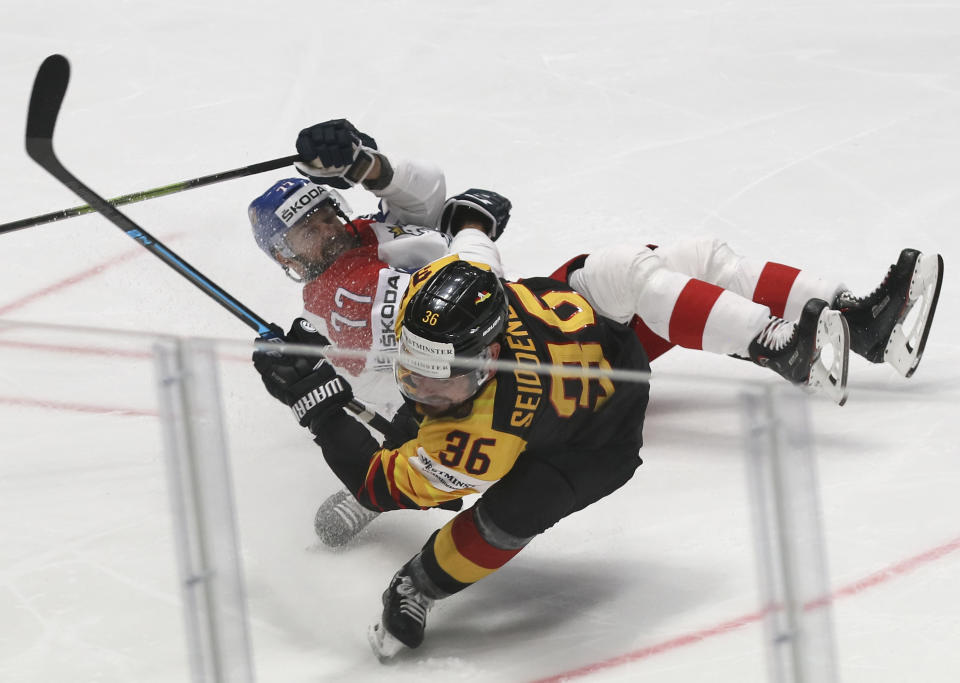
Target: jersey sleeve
416 194
409 247
476 246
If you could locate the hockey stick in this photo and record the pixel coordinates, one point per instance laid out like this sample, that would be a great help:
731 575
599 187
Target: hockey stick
173 188
49 88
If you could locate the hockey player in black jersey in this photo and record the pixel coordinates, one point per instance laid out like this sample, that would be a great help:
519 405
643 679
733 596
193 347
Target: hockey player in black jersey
536 446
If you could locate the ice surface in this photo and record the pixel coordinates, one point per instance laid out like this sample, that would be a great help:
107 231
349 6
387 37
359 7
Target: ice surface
820 134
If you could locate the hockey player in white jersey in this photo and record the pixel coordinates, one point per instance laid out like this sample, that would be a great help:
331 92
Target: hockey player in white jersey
354 272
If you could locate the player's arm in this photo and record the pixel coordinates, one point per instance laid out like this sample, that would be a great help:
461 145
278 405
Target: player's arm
469 224
474 220
316 395
335 153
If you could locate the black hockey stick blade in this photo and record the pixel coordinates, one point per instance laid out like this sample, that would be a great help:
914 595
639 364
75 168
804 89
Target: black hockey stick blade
49 87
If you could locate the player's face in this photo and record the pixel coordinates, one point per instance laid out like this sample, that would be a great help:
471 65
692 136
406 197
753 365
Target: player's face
320 239
436 395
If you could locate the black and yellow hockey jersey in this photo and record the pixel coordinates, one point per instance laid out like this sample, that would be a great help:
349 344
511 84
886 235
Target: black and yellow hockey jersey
522 410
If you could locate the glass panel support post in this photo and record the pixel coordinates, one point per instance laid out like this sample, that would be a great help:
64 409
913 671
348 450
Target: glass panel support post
204 517
788 536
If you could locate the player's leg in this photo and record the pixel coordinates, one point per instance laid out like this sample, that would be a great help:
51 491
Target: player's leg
697 314
530 499
892 322
881 327
781 288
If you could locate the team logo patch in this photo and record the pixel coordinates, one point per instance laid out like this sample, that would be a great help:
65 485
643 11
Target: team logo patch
481 297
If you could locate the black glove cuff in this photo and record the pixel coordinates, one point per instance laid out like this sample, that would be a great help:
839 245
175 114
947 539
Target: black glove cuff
385 177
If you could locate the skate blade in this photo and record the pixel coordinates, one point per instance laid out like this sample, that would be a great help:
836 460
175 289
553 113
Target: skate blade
832 331
384 645
905 346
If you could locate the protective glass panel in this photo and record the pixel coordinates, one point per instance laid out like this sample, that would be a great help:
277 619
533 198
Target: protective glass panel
89 588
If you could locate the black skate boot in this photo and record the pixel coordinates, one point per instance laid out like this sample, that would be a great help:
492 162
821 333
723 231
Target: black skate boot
404 617
794 349
340 518
879 329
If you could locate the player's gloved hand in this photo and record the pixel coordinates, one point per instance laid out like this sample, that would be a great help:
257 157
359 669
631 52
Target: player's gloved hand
335 153
308 384
489 209
280 371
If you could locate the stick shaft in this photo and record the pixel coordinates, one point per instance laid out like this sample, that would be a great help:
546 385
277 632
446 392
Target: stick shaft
143 195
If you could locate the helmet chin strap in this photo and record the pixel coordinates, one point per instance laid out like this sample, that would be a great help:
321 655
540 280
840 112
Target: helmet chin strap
289 272
310 272
344 217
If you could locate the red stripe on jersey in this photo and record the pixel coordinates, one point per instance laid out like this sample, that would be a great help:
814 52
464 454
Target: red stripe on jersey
471 545
563 272
774 286
391 486
690 313
368 484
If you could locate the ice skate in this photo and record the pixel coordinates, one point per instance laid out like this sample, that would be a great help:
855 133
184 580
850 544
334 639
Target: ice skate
794 350
340 518
881 327
404 618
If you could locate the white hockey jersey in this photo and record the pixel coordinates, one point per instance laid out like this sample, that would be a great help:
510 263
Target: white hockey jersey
354 301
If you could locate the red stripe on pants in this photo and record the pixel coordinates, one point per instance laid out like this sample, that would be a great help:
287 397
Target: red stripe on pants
774 286
471 545
690 313
652 343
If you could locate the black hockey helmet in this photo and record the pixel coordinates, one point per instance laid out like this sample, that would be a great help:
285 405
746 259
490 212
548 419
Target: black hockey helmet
453 310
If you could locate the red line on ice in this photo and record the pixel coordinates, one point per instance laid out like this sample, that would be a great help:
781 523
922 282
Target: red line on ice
81 350
101 351
67 282
73 279
892 572
77 407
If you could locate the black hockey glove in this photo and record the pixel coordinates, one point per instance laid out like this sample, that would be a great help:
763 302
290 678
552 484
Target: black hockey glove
489 209
308 384
335 153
